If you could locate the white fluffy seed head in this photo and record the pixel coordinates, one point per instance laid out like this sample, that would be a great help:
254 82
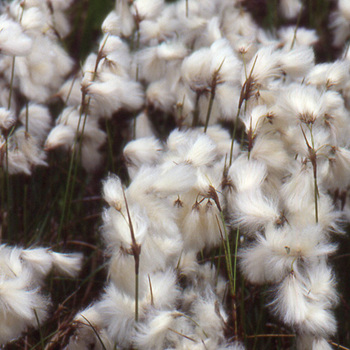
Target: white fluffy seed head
195 69
290 8
333 75
39 260
7 118
291 302
297 62
252 209
247 174
118 315
154 333
38 119
67 264
113 192
144 151
111 24
60 135
263 66
13 41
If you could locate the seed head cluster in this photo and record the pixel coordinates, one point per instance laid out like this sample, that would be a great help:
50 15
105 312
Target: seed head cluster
258 160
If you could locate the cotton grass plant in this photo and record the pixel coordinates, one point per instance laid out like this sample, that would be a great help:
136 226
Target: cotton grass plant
216 154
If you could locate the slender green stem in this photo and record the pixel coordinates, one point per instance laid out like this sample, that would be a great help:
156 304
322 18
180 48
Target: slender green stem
314 165
40 330
95 331
136 296
71 180
214 82
244 65
296 29
64 210
210 106
136 251
226 245
196 111
316 199
47 337
231 275
27 118
11 82
195 322
235 262
218 265
234 134
70 90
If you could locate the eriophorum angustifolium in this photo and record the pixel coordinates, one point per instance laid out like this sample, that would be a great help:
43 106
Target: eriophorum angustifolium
222 150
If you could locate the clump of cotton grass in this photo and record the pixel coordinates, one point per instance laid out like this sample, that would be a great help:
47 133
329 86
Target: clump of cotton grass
283 190
104 87
23 304
34 66
159 72
201 66
201 63
152 239
340 22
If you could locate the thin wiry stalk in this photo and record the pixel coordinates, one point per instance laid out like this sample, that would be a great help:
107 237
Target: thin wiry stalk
136 251
234 133
182 335
314 165
95 331
196 111
316 198
271 335
40 330
85 106
27 118
136 290
71 180
235 262
313 160
65 201
243 308
11 82
150 289
338 346
45 338
244 64
214 83
134 126
244 96
218 265
194 321
70 90
227 249
70 183
226 243
296 29
210 106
